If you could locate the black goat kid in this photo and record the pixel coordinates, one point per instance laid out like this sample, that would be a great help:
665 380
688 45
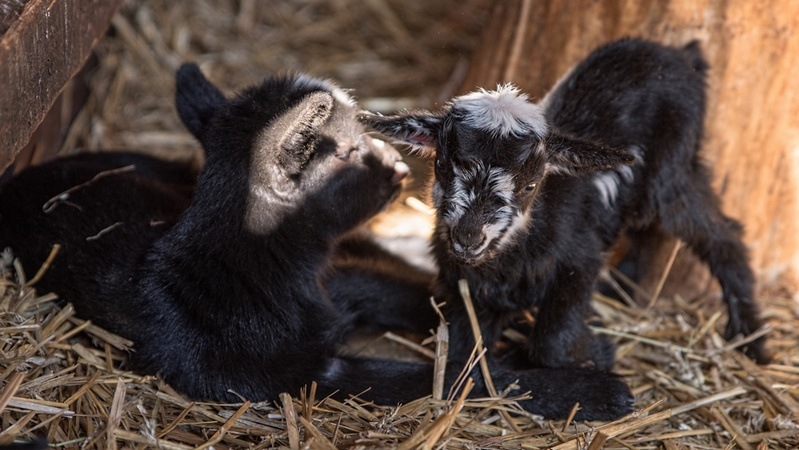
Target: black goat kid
218 283
529 196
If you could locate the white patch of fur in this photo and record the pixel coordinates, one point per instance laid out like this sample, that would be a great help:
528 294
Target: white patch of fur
305 81
519 225
608 183
551 168
460 200
501 184
504 111
335 368
541 148
497 230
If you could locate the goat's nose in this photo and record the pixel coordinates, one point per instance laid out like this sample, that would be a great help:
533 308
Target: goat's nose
401 170
467 241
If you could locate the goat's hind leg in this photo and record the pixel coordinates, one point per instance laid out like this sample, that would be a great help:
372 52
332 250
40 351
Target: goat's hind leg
374 289
601 395
717 240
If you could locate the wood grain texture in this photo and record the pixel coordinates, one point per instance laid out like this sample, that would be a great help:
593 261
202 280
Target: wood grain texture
38 54
752 129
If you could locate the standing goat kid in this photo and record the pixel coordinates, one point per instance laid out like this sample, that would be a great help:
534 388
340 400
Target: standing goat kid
529 196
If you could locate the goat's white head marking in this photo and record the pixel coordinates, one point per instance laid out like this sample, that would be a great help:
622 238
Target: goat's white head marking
505 111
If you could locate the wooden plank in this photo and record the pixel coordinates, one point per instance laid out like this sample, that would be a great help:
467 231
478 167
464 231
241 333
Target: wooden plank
752 131
39 53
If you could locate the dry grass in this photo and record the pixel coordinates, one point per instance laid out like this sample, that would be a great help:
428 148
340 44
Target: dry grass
61 377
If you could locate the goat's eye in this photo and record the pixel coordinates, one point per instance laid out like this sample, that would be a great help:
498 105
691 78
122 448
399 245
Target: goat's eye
530 187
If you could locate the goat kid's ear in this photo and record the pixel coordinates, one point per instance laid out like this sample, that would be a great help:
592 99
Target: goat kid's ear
575 156
297 129
419 130
196 98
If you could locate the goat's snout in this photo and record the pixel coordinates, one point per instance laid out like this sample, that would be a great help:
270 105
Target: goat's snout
467 244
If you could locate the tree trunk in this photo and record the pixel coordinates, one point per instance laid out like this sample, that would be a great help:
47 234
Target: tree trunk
752 128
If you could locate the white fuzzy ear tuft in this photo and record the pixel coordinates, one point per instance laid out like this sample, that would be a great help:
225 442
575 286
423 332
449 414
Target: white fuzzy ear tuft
505 111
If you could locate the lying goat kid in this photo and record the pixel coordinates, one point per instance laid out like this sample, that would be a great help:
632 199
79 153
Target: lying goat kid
529 196
218 284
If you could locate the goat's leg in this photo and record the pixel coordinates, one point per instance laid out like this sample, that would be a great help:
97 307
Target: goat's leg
375 289
642 245
601 395
373 299
561 336
716 240
461 333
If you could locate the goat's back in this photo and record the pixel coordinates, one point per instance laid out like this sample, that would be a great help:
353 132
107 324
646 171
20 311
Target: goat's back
104 209
633 92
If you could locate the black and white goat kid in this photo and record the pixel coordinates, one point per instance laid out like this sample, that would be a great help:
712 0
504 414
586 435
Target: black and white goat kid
529 196
219 283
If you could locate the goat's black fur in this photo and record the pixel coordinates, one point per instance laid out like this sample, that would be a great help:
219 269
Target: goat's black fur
219 283
530 196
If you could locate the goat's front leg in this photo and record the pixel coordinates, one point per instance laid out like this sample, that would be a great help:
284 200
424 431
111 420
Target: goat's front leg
561 336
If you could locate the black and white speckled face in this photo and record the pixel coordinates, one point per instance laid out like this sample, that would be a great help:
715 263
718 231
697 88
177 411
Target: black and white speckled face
492 151
481 208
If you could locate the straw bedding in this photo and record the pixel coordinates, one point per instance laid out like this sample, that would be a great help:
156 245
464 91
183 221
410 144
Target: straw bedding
65 379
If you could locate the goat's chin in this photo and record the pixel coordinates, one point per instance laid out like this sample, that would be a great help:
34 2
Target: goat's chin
470 260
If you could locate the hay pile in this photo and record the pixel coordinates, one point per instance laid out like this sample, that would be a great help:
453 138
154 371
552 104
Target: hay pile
63 378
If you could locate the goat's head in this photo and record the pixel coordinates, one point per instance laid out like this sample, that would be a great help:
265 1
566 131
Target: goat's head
289 146
493 150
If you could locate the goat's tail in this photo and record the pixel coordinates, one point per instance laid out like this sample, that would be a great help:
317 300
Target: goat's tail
693 53
554 392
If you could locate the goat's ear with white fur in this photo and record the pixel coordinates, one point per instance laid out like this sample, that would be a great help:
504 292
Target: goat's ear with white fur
296 130
419 130
575 156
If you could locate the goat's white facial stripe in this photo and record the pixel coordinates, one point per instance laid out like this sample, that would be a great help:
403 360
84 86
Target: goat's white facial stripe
501 184
519 224
468 183
494 183
503 221
505 111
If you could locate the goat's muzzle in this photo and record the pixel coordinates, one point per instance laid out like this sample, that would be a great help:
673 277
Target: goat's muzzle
467 246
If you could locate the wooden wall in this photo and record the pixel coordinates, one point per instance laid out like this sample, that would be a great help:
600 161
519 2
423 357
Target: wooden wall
43 46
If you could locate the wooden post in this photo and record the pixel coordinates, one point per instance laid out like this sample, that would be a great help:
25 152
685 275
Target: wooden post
752 131
39 53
